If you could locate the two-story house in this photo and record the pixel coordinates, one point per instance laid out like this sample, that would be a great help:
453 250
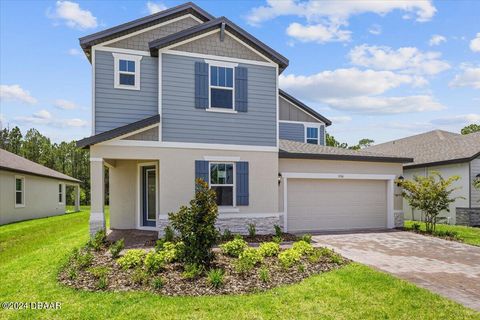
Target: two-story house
180 95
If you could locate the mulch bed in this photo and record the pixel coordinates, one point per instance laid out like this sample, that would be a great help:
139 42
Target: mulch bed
175 285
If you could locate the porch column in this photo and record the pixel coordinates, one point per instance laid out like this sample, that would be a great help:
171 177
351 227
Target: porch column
77 198
97 195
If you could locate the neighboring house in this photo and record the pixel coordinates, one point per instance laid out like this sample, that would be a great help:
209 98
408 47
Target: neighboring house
449 154
29 190
180 95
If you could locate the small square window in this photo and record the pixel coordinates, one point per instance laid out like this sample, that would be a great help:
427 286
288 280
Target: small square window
312 135
127 71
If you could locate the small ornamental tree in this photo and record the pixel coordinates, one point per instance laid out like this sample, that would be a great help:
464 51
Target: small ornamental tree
476 183
196 225
431 195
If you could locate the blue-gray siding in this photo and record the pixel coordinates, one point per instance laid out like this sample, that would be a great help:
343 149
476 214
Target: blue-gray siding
118 107
292 131
182 122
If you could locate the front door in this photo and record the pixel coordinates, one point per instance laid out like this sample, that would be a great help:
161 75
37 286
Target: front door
149 196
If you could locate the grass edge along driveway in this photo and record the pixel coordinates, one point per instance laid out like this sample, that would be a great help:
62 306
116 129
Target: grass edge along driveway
32 251
468 235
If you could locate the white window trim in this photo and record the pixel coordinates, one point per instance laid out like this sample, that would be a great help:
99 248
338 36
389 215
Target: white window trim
61 192
233 207
22 205
223 64
136 59
317 126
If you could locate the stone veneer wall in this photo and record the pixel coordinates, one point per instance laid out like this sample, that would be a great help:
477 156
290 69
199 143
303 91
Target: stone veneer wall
263 225
399 219
468 216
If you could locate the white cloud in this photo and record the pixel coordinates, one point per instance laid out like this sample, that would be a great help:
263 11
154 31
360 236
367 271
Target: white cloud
74 52
15 93
406 59
45 118
317 33
76 122
328 16
340 119
475 43
375 29
65 104
73 15
386 105
155 7
436 39
470 77
42 114
458 119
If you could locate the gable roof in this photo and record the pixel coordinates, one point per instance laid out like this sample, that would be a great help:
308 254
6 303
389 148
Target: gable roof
299 150
187 8
117 132
11 162
431 148
219 23
304 107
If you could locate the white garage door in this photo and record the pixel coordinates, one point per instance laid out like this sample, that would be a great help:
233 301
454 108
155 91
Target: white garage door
324 204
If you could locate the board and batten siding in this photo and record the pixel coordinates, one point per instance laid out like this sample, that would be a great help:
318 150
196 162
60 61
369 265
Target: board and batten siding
118 107
182 122
475 194
292 131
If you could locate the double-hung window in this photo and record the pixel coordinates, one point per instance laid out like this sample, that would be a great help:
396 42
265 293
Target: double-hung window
60 193
221 87
19 191
222 182
127 71
312 135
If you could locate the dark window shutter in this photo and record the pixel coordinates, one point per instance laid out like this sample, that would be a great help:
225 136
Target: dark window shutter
241 89
201 170
321 135
242 183
201 85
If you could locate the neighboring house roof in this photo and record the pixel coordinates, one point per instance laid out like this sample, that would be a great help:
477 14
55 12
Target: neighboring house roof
117 132
88 41
11 162
300 150
219 23
304 107
436 147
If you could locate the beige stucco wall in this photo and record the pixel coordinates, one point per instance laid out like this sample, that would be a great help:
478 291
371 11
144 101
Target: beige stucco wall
462 170
341 167
41 197
176 179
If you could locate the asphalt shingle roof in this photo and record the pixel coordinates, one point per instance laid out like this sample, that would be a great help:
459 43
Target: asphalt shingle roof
300 150
11 162
433 148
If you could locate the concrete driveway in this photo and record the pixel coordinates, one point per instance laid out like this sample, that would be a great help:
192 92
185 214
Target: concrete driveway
448 268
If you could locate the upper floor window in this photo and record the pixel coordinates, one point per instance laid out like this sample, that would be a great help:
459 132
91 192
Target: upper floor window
221 180
19 191
221 87
312 135
127 71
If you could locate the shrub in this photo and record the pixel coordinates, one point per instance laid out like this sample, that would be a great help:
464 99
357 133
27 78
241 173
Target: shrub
264 274
171 251
289 257
304 248
277 239
102 283
307 238
251 230
84 259
325 252
269 249
169 234
72 273
301 268
98 272
159 244
116 248
416 227
336 258
154 262
98 240
139 276
451 234
278 230
234 248
247 260
315 256
195 225
227 235
131 259
215 277
158 283
192 271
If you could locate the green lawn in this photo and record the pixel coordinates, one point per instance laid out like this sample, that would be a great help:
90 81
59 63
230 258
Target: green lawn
31 252
465 234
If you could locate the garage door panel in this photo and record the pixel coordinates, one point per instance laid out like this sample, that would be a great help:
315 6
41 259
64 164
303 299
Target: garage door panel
323 204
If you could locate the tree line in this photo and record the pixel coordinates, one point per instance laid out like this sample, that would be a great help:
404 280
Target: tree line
64 157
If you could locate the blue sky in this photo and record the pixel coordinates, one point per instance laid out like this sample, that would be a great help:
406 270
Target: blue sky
378 69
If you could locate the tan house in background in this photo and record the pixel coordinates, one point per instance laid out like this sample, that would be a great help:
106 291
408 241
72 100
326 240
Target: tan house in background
29 190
